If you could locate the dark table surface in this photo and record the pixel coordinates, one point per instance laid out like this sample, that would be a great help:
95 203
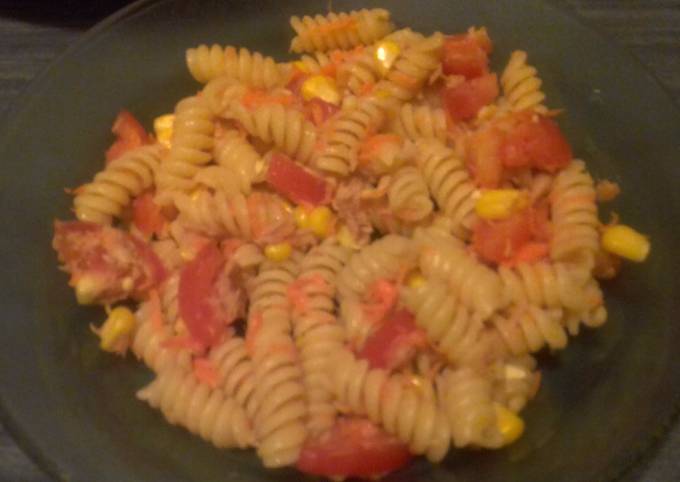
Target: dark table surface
33 33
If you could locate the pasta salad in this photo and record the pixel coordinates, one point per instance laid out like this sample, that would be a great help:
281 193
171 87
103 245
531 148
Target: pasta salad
349 259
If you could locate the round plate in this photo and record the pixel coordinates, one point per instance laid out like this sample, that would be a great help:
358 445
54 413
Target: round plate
603 400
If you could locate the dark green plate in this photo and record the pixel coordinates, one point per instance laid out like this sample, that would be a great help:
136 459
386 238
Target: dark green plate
73 408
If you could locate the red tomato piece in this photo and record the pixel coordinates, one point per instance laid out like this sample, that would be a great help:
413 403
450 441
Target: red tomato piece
465 55
292 181
319 111
395 342
130 135
483 159
116 264
147 215
463 101
197 296
538 142
499 241
354 447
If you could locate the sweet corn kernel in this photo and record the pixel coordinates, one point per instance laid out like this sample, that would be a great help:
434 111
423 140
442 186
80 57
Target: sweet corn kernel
387 52
301 66
163 127
120 323
500 203
415 280
509 424
624 241
322 87
87 290
346 239
278 251
321 221
301 216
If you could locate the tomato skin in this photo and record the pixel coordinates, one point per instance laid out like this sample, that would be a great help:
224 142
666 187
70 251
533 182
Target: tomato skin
295 183
354 447
538 143
110 256
463 101
465 55
130 135
394 342
197 293
147 215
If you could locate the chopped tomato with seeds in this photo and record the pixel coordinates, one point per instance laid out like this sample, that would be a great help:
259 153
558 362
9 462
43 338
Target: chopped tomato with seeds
295 183
395 342
147 216
536 141
130 135
353 447
463 101
466 54
114 265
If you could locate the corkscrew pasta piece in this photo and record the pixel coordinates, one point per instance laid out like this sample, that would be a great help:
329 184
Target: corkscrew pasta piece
408 196
220 93
285 128
257 217
458 333
418 122
467 400
112 189
574 216
403 409
449 183
346 133
191 145
206 412
360 73
317 331
477 286
521 84
280 395
339 31
250 68
236 372
235 153
412 69
515 381
384 258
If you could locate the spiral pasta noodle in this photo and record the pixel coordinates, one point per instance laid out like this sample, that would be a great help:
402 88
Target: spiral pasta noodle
237 373
347 132
521 84
207 412
392 402
529 329
112 189
416 122
574 214
235 153
408 195
515 381
449 183
339 31
250 68
360 73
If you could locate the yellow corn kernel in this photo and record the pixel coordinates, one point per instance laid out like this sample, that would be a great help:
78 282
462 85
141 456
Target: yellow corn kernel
301 66
120 323
87 289
500 203
322 87
415 280
346 239
387 52
321 221
624 241
301 216
509 424
163 127
278 251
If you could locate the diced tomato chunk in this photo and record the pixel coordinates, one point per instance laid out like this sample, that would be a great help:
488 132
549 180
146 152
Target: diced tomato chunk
197 296
116 265
536 141
130 135
483 159
395 342
354 447
319 111
463 101
294 182
147 216
466 55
